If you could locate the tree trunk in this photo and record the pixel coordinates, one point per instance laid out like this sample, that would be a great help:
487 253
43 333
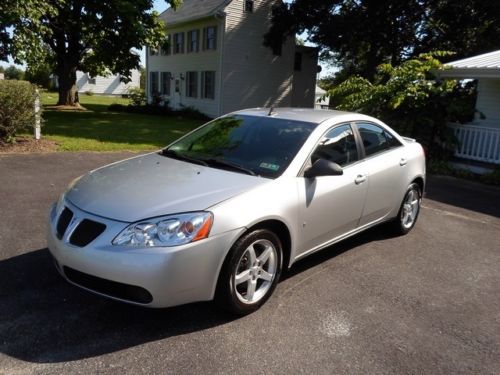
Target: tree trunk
67 85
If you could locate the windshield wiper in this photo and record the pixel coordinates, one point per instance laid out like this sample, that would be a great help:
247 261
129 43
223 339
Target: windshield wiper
230 165
174 154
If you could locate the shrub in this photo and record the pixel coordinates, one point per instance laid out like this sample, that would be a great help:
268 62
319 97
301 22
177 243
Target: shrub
191 112
492 178
148 109
17 112
89 93
137 96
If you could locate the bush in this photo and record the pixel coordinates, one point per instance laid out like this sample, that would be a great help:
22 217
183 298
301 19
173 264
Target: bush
17 112
148 109
89 93
137 96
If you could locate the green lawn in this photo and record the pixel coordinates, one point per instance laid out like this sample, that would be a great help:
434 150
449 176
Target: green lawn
97 129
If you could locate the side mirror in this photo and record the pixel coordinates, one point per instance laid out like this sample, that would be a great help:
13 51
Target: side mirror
323 167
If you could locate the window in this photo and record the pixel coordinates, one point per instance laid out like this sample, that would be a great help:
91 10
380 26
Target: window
210 38
193 41
192 84
338 146
165 83
376 139
208 85
249 6
153 83
297 64
90 79
165 49
265 145
179 43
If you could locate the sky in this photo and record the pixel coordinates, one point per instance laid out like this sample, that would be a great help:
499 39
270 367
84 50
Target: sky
160 6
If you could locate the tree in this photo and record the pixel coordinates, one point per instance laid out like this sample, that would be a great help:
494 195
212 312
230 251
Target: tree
39 75
362 34
14 73
466 27
94 36
409 98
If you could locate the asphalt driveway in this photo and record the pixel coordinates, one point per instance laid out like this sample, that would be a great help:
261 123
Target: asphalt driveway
428 302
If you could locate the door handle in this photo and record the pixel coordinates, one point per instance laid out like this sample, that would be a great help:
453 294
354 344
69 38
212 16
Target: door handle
403 162
360 179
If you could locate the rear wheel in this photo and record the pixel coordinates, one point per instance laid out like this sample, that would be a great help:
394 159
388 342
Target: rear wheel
250 273
409 210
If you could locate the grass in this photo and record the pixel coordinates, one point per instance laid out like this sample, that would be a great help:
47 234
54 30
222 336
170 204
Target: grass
98 129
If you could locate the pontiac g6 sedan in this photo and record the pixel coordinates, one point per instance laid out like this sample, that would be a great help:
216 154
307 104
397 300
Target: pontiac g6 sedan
221 212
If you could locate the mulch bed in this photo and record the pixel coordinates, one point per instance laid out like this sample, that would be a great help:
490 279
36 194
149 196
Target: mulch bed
27 145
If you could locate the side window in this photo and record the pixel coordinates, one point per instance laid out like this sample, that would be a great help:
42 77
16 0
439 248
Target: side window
376 139
338 146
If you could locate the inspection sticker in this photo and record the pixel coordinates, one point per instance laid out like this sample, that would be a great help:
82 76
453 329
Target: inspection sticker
273 167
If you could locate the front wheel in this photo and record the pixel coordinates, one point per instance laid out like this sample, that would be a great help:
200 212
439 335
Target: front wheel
250 273
409 210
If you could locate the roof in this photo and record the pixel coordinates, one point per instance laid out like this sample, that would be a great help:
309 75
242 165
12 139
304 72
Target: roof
489 60
314 116
485 65
191 10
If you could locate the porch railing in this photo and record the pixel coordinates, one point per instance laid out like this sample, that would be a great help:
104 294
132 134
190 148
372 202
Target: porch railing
477 143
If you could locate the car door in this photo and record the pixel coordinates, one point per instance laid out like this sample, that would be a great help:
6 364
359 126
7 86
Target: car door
331 206
385 164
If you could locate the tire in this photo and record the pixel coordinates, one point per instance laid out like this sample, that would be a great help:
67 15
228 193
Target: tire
250 272
408 211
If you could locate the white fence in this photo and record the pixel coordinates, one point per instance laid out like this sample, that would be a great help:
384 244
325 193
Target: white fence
477 143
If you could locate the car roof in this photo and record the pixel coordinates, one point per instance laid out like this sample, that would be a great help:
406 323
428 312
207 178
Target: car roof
315 116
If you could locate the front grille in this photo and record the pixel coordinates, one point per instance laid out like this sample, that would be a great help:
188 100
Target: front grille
111 288
64 220
86 232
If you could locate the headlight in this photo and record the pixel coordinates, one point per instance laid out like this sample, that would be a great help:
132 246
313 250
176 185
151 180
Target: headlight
169 230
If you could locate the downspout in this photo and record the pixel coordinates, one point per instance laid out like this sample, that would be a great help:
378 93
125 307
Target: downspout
221 15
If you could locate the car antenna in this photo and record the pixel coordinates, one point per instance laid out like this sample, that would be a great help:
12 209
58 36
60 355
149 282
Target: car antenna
271 112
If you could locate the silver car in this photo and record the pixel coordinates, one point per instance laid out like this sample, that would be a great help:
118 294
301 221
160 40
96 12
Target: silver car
223 211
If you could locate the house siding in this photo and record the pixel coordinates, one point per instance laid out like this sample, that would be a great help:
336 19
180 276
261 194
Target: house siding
179 64
252 75
110 85
304 81
488 100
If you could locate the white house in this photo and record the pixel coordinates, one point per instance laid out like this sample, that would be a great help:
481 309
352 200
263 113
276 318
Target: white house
480 139
110 85
215 60
104 85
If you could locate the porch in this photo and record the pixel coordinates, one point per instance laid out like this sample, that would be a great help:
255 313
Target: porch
477 142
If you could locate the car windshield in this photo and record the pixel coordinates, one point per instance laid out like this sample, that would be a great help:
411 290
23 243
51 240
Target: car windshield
256 145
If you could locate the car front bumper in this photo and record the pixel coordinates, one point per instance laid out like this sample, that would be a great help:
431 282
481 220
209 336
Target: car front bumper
153 277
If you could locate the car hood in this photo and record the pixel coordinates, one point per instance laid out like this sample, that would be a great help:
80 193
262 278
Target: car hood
154 185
